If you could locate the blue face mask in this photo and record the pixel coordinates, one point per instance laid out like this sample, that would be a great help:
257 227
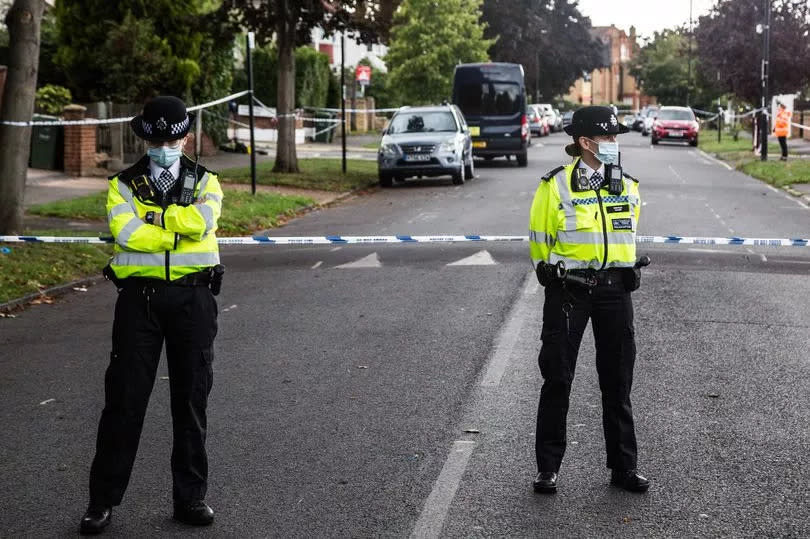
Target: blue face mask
165 156
607 152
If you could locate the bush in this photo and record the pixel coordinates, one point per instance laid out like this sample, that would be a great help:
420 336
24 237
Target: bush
51 99
312 87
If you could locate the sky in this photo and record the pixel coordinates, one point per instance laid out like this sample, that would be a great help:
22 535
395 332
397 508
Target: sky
647 16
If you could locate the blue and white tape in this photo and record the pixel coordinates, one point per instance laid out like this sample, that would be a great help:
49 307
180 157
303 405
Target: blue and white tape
403 239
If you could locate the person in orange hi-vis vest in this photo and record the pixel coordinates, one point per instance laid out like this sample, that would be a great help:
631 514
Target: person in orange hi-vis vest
781 128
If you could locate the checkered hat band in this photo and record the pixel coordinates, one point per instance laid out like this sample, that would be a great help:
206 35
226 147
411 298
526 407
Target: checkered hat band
174 129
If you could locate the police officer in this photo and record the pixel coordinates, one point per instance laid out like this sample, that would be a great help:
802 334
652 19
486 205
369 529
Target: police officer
582 239
781 129
163 214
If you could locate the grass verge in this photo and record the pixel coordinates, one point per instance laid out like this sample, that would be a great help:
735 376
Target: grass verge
31 267
738 154
324 174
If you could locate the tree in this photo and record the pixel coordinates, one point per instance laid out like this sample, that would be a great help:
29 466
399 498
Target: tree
23 21
662 67
550 38
730 49
428 39
290 23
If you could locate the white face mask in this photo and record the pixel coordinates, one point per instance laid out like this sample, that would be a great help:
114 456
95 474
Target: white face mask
606 152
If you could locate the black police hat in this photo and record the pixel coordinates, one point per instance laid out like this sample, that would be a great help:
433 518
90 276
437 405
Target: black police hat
164 118
595 121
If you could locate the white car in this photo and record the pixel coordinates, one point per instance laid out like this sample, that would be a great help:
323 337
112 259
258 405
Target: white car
652 114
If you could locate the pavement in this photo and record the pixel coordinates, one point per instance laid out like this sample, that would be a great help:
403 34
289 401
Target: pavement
391 390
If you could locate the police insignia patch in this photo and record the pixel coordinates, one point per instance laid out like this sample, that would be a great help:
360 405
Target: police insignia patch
603 125
161 124
613 121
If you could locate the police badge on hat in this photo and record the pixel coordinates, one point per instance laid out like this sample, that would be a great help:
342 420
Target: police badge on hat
164 118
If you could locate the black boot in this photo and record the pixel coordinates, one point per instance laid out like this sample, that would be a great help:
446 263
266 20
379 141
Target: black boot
545 482
95 519
629 480
195 513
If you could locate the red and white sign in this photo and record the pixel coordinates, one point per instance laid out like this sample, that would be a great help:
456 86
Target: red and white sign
363 74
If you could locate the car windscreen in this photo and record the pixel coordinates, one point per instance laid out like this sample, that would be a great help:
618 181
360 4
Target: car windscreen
422 122
676 115
489 98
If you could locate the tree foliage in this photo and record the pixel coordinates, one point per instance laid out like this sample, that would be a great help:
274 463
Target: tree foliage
131 49
728 45
312 75
428 39
550 38
290 23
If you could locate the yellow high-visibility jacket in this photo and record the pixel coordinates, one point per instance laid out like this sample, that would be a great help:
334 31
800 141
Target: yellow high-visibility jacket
185 243
584 229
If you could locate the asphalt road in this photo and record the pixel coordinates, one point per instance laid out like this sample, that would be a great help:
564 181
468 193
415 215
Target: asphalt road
347 378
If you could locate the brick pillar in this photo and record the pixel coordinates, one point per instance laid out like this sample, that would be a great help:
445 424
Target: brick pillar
80 143
3 70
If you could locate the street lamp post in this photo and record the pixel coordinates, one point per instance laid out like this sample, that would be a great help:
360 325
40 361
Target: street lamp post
250 42
765 73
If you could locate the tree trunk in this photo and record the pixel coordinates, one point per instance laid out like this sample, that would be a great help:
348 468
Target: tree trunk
23 21
286 157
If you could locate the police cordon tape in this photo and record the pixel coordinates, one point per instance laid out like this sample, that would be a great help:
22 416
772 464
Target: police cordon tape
406 239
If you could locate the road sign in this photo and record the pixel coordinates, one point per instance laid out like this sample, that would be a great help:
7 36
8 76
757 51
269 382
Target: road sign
363 74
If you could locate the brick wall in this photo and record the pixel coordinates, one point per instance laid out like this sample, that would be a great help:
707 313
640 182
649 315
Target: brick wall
80 143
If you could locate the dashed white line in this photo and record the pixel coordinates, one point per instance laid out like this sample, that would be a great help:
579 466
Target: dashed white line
317 264
333 249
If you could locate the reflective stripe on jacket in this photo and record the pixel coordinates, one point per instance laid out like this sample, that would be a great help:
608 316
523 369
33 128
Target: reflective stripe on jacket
585 229
781 126
186 243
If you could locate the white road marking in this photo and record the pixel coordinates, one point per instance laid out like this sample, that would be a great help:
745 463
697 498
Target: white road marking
680 179
712 159
333 249
47 401
437 505
481 258
761 256
317 264
772 188
509 333
795 262
226 309
731 230
710 251
370 261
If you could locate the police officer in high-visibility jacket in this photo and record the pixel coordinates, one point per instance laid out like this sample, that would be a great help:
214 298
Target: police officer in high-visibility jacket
163 214
781 128
582 229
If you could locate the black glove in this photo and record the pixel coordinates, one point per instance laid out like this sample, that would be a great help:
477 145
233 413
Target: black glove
546 273
632 279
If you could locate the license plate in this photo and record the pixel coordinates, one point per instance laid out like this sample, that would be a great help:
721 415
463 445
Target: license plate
480 144
417 157
675 134
475 130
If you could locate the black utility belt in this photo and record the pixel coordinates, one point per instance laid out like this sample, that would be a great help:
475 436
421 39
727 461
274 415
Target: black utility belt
200 278
606 277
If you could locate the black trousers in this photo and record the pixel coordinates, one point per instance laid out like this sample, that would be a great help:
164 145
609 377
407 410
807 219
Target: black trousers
610 310
783 145
146 315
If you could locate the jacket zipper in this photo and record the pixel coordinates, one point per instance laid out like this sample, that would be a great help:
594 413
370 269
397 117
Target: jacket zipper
604 229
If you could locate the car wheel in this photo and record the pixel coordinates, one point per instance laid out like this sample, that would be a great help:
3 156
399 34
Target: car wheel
654 140
523 159
693 142
469 170
458 176
386 179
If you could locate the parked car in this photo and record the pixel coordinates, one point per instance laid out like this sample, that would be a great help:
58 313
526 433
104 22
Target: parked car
649 118
492 97
426 141
558 121
675 123
536 120
566 118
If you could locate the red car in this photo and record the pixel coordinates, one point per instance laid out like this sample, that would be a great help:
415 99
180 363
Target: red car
675 123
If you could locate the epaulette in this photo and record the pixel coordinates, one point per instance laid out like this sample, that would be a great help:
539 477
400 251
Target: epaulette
629 177
551 174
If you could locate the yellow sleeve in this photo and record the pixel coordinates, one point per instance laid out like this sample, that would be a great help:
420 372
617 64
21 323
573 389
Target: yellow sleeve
128 229
543 220
199 219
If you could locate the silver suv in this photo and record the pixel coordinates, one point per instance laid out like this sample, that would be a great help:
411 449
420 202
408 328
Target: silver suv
426 141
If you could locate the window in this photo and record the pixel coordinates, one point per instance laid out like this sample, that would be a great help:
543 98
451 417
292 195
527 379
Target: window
422 122
676 115
489 98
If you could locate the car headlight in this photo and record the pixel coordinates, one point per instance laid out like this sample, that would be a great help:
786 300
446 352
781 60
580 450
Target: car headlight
389 150
448 146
